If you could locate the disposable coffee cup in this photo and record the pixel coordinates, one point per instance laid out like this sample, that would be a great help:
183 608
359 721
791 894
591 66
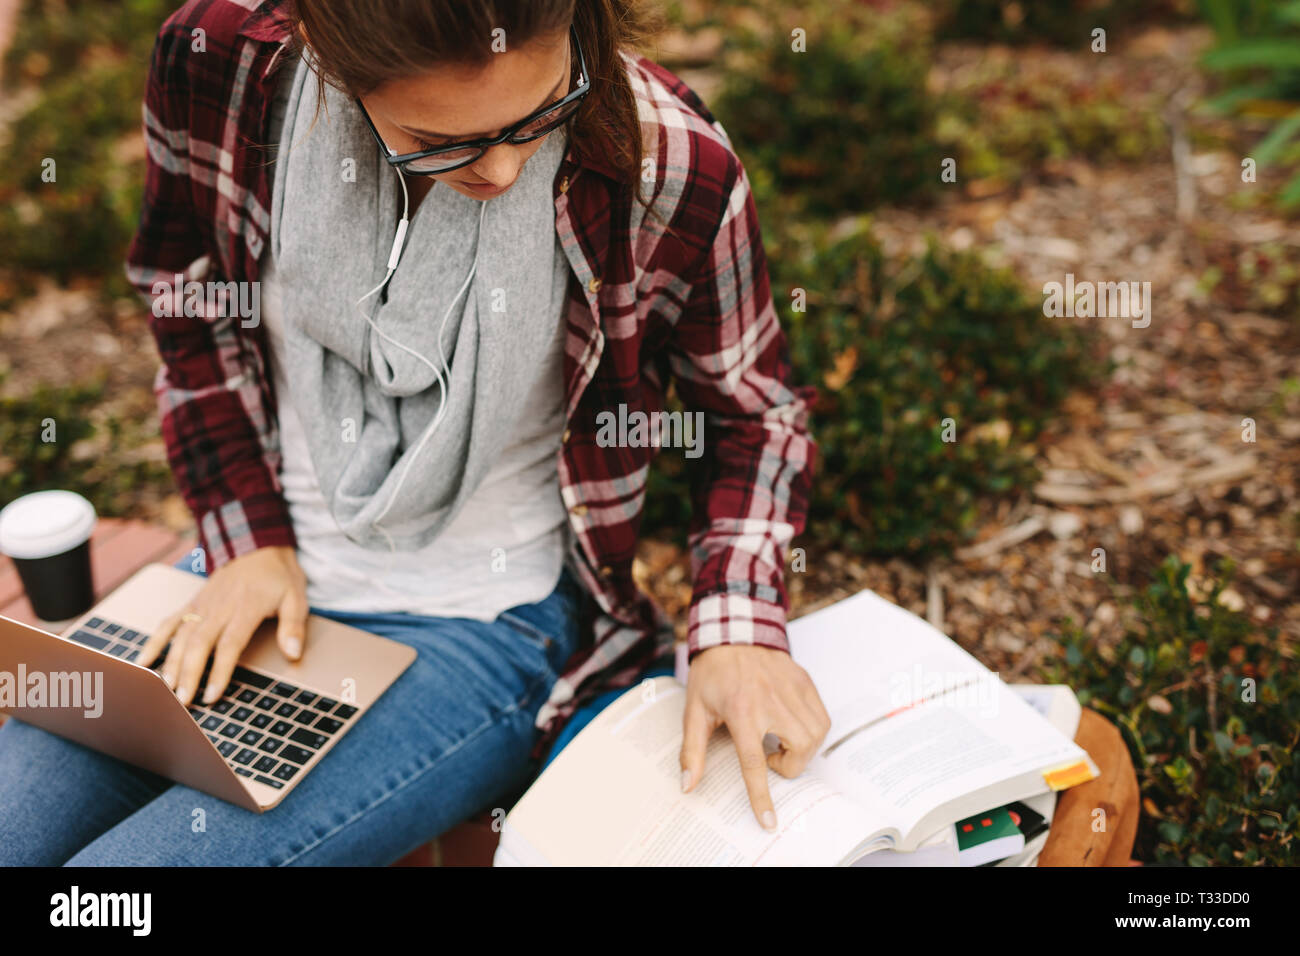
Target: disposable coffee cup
47 534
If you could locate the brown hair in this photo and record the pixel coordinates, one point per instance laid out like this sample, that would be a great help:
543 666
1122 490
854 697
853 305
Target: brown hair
358 45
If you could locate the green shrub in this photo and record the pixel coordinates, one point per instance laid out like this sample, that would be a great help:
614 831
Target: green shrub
1062 22
29 463
89 61
1209 705
895 347
93 452
844 126
1257 52
1005 118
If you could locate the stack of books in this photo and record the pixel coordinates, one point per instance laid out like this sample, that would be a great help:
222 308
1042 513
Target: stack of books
931 760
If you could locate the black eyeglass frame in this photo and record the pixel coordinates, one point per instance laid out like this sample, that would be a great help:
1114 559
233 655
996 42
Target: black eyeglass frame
482 145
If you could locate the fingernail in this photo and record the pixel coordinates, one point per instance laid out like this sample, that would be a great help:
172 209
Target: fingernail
211 694
182 693
769 820
293 645
686 780
170 681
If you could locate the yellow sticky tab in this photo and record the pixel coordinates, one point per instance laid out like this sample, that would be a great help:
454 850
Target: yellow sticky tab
1062 778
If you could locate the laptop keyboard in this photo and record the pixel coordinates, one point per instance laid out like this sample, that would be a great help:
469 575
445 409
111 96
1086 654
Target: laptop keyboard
265 728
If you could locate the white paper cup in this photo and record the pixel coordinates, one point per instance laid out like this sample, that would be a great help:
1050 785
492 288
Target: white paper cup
47 534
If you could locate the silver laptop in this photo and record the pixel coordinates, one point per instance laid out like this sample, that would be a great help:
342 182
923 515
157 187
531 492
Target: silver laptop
275 722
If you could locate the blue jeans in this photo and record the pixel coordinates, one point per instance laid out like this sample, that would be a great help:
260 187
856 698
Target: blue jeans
449 739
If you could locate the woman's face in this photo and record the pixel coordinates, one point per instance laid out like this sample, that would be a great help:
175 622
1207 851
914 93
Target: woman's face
455 103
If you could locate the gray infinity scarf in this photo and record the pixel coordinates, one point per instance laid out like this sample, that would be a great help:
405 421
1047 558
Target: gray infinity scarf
366 403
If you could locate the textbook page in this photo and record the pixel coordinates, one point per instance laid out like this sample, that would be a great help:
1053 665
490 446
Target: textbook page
868 657
956 752
613 797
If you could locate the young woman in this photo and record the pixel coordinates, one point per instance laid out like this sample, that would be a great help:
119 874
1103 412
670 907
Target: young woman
479 228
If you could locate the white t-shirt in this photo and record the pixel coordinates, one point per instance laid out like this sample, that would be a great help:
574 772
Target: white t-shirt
504 548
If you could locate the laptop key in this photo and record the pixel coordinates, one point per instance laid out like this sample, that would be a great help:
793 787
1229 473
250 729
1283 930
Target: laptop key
266 703
279 785
111 628
231 729
296 754
213 722
286 710
245 676
195 712
250 737
305 717
324 705
243 772
90 640
241 713
308 739
282 728
94 622
129 636
265 765
222 706
227 748
327 725
247 695
344 712
306 697
270 745
284 690
119 650
260 721
286 771
245 756
213 738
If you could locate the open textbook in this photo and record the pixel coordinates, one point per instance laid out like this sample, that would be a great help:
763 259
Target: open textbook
922 735
1057 703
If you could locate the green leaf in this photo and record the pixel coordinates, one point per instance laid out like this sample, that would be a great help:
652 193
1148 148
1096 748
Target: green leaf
1266 52
1271 146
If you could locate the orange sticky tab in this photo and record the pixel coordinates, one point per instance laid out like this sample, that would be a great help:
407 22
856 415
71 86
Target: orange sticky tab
1062 778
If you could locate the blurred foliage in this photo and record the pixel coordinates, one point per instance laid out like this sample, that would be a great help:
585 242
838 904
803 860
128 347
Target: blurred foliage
89 60
1005 119
1209 705
897 346
846 124
1259 277
90 452
1061 22
1257 53
27 461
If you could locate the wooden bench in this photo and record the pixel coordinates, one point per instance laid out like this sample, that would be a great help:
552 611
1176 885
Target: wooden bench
120 548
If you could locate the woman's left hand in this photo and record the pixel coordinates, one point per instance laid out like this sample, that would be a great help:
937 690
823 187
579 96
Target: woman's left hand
754 691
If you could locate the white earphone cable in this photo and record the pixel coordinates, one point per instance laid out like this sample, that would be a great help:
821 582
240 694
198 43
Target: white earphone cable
441 372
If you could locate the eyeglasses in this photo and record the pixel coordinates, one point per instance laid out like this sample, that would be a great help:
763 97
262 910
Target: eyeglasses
443 159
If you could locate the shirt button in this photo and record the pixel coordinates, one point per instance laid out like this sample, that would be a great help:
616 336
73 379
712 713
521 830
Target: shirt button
564 184
606 570
593 284
578 510
564 439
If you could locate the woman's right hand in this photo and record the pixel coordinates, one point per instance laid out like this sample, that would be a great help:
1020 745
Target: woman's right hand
236 599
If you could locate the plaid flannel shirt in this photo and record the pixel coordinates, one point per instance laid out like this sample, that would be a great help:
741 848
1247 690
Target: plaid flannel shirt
643 304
